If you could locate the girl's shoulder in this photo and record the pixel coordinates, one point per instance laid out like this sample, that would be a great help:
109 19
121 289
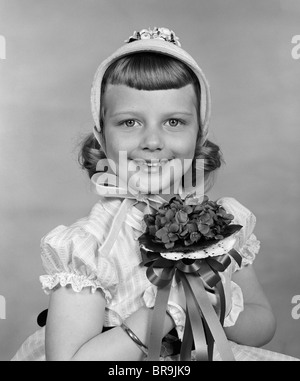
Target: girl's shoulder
70 254
96 223
242 215
80 241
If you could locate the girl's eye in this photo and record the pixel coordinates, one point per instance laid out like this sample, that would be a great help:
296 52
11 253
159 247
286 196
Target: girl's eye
129 122
174 122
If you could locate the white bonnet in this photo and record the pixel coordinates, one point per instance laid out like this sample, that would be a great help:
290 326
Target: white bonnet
164 41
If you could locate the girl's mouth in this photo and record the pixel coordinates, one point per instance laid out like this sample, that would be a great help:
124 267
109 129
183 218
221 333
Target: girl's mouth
151 166
153 163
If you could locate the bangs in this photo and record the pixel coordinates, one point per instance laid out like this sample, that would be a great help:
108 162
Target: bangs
150 71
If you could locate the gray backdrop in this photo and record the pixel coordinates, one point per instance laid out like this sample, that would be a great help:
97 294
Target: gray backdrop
52 51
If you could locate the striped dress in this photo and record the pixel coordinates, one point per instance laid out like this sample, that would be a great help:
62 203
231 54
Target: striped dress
72 256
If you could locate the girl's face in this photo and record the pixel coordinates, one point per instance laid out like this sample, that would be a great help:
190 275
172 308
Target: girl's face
156 131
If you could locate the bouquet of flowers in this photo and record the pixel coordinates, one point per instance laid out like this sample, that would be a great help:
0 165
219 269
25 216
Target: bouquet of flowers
192 241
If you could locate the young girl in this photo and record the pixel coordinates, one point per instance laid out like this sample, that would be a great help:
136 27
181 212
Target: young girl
151 107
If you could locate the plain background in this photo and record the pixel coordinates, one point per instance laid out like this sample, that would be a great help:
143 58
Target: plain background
52 51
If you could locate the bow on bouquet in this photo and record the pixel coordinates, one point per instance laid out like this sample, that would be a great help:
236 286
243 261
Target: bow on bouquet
193 242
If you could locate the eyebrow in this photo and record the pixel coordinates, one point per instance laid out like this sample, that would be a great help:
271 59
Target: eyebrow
175 112
123 113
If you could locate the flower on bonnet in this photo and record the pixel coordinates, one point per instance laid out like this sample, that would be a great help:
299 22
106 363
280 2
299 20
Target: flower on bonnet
157 33
187 221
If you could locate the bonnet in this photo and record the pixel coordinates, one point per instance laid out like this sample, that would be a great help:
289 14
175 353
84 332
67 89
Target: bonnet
159 40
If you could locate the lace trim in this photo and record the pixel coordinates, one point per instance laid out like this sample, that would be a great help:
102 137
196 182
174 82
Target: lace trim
77 281
237 305
250 250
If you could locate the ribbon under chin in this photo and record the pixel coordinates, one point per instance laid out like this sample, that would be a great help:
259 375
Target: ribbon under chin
204 325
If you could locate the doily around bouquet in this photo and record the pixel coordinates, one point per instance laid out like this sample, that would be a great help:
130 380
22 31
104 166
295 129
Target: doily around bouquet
220 248
200 250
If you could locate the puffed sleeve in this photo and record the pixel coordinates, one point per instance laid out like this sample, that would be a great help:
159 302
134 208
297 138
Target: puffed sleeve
247 244
70 256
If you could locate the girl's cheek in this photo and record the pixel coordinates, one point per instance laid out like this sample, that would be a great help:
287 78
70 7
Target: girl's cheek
187 152
113 146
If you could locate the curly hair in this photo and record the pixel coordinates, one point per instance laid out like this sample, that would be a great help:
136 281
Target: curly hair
150 71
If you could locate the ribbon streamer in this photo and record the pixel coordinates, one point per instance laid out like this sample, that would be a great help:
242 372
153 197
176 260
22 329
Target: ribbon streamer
204 326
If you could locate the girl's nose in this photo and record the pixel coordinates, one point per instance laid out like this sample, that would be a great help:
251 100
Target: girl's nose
152 140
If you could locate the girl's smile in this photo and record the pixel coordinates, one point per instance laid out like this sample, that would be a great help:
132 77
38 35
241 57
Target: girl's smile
157 129
152 166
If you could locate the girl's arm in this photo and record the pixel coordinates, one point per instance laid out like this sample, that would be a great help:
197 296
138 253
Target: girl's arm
74 326
255 325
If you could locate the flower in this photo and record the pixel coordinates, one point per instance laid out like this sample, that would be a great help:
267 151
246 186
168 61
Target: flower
157 33
186 225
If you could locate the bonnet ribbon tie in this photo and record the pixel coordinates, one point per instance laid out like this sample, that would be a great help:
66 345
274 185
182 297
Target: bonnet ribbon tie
131 197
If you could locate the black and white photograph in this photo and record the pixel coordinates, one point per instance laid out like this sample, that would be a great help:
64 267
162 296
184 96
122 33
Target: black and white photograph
150 187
